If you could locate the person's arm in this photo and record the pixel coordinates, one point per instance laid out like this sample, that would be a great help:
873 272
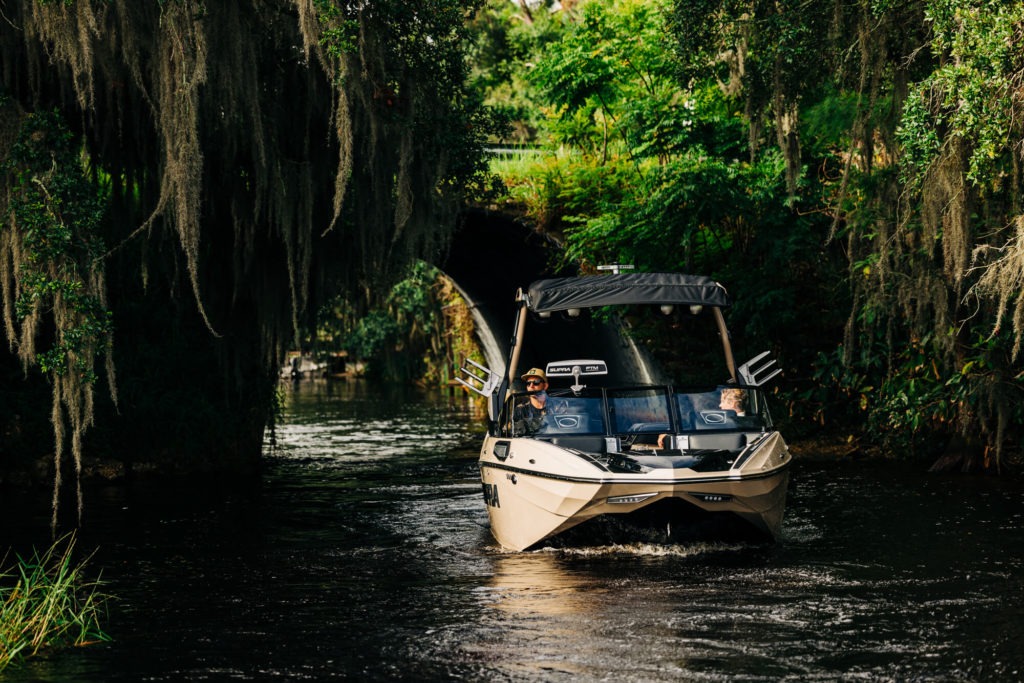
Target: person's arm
534 418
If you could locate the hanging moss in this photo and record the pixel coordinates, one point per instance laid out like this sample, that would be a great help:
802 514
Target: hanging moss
255 158
54 294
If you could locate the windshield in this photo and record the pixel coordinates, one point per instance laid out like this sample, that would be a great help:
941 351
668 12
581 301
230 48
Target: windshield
635 411
639 410
724 407
563 412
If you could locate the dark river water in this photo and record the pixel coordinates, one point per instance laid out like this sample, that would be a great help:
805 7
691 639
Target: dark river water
363 553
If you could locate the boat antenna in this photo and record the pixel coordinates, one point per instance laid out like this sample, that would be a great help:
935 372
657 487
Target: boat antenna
616 267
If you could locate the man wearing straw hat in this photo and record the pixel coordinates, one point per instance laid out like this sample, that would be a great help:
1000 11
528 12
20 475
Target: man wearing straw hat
529 413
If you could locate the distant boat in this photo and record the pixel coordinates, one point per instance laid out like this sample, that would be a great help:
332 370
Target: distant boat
592 452
303 365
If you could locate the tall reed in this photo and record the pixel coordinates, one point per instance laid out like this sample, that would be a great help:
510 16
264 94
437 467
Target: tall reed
47 602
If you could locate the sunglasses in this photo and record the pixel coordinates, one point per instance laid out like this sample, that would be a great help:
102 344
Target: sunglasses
534 382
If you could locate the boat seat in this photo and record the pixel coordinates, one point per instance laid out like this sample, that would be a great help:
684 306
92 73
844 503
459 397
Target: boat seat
667 459
591 443
723 441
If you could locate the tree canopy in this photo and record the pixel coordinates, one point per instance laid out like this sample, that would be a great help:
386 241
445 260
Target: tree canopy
241 162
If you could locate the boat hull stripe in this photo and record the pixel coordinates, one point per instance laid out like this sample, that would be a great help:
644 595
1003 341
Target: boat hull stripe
604 480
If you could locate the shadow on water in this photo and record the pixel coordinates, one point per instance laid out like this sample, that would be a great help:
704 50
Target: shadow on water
363 553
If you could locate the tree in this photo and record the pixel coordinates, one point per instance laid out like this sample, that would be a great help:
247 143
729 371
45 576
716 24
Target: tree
256 157
922 177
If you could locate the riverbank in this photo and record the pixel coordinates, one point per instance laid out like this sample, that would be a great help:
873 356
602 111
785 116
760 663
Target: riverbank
957 455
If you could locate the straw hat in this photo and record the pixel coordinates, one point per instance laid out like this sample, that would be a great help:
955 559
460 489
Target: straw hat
536 372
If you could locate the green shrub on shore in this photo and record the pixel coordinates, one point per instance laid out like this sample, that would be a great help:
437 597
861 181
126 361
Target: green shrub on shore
47 602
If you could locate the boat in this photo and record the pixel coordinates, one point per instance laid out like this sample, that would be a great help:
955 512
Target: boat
648 460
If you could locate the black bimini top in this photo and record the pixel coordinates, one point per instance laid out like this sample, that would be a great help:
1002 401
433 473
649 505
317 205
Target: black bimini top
559 294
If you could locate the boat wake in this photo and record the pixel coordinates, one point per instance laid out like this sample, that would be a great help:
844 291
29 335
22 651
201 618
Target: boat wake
646 550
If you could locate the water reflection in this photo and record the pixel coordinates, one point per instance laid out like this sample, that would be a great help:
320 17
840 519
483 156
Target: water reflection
537 585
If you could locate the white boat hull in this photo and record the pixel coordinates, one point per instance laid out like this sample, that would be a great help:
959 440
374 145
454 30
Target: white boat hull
539 490
583 439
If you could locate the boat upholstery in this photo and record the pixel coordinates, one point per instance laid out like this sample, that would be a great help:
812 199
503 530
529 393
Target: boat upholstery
582 442
722 441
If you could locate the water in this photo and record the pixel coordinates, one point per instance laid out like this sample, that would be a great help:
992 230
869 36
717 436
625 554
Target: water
363 554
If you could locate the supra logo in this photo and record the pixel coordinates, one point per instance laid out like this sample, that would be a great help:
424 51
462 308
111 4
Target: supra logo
491 495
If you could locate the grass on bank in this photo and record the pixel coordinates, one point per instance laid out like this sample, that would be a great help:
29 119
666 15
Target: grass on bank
46 602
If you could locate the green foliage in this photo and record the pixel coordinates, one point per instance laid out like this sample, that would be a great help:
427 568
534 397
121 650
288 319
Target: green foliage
827 122
339 32
972 94
608 84
57 214
745 139
684 215
214 141
421 332
783 47
412 56
508 39
919 139
47 602
578 72
372 336
407 313
917 404
642 169
701 31
908 115
912 403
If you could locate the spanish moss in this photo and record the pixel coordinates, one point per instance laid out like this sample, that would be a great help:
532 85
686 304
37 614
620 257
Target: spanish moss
256 157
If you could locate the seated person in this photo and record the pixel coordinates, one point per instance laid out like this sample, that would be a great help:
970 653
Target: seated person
529 413
733 401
